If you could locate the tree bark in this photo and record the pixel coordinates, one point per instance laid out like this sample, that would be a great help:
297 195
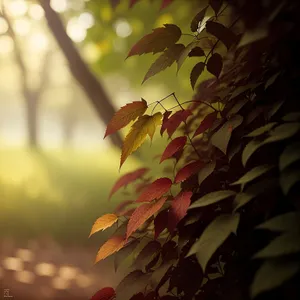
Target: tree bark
80 70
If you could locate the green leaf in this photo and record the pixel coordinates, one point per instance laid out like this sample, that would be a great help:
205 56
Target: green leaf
252 36
197 19
215 64
221 138
285 244
271 80
235 149
206 171
292 117
288 179
237 107
285 222
196 72
290 155
212 198
250 148
261 130
169 56
272 274
252 174
185 52
241 89
253 191
213 237
273 110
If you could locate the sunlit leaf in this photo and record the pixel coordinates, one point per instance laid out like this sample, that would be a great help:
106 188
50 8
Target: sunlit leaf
206 171
215 64
197 19
212 198
221 138
290 155
104 222
272 274
224 34
111 246
127 178
144 126
125 115
157 41
178 210
213 237
166 60
142 214
196 72
155 190
174 146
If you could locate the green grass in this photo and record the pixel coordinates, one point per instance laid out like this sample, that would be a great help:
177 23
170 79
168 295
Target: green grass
56 193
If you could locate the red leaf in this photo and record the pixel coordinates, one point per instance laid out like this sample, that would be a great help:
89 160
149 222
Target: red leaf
164 122
147 252
206 123
176 119
125 115
112 245
126 179
179 207
142 214
215 64
155 190
120 208
188 171
157 41
174 146
128 212
160 223
166 3
106 293
132 3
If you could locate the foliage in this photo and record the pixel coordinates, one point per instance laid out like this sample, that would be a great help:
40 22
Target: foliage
233 229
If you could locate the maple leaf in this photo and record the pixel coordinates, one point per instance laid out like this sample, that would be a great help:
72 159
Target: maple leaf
206 123
165 3
196 72
188 171
142 214
127 178
104 222
175 120
112 245
164 122
179 207
215 64
169 56
155 190
145 125
125 115
174 146
106 293
157 41
160 223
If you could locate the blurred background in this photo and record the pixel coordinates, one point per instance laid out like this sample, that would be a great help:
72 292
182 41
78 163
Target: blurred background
62 73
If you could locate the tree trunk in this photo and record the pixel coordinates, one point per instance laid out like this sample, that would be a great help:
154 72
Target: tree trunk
32 120
80 70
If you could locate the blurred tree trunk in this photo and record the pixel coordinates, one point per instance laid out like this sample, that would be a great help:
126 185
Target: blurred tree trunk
80 70
69 120
31 96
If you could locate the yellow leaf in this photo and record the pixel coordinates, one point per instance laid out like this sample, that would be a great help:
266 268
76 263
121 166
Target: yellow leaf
104 222
145 125
114 244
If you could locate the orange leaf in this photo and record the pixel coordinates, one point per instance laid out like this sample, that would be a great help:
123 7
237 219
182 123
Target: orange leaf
155 190
114 244
188 171
173 147
179 207
106 293
142 214
127 178
125 115
103 222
